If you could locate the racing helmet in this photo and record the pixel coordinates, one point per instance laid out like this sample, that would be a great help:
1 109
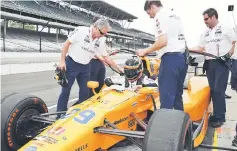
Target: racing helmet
133 68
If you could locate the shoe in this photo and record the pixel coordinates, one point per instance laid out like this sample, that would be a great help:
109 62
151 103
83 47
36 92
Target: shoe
234 142
59 116
217 124
212 118
227 96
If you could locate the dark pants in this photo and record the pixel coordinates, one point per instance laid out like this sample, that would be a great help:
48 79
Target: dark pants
97 74
172 72
81 73
217 75
233 79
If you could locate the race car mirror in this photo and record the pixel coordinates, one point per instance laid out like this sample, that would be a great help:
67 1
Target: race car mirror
92 84
146 90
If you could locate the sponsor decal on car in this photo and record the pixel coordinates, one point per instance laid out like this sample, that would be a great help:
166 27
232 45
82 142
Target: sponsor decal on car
82 147
46 139
104 101
131 123
134 104
70 114
117 122
31 148
56 130
64 138
38 144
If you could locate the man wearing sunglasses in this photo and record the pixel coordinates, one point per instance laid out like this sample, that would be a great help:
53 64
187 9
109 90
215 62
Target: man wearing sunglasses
170 43
219 40
81 47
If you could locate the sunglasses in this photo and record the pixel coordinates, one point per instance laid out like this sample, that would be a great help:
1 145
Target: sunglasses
101 32
206 19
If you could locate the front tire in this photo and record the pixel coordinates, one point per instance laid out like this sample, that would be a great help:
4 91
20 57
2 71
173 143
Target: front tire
16 111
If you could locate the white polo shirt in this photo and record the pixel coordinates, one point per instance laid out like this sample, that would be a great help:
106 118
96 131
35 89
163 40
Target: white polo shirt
102 49
217 41
83 47
169 23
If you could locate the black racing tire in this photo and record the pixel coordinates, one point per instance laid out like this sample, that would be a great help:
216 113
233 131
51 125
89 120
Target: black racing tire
13 108
168 130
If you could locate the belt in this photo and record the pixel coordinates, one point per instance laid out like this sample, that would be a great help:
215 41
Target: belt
213 60
94 59
74 61
173 53
70 57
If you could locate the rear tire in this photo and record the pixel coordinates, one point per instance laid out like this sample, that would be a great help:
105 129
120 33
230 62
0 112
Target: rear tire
168 130
16 110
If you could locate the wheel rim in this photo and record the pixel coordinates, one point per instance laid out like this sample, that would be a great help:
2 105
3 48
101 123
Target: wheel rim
25 128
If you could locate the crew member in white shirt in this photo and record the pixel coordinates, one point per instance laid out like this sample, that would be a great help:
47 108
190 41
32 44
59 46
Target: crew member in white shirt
81 47
170 42
218 40
98 70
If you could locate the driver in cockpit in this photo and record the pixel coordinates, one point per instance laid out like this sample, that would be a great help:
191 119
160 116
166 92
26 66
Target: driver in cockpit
134 76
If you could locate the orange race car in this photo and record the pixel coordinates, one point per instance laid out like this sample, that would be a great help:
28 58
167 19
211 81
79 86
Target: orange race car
108 118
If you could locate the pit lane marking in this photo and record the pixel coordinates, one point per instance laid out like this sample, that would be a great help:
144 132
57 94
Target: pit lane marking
215 141
54 106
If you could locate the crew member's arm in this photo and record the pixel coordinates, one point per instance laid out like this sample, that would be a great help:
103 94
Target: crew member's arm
232 50
103 52
111 62
160 43
198 49
161 37
201 45
62 64
101 59
230 33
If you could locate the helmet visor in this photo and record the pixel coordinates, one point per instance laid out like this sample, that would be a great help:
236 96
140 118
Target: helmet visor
131 73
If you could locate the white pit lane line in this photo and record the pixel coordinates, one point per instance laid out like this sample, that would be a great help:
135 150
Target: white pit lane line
54 106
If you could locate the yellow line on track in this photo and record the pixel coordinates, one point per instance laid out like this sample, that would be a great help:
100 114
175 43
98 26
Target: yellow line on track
215 141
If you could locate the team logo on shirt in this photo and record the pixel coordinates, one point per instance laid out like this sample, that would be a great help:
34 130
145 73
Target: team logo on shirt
159 31
218 31
87 49
97 44
174 16
214 40
207 34
181 37
87 39
73 32
157 23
